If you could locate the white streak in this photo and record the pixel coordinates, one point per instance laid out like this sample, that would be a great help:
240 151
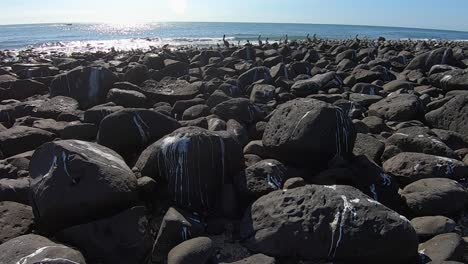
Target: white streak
24 260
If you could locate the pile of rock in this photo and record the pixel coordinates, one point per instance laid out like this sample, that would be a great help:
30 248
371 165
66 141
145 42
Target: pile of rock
306 152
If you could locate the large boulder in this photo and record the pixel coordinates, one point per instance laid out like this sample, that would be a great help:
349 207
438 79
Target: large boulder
177 226
88 85
426 60
240 109
309 133
338 222
253 75
451 80
20 139
410 167
126 98
75 182
170 91
259 179
452 116
429 226
15 220
437 196
131 130
195 163
15 190
123 238
21 89
32 249
196 250
398 107
444 247
417 143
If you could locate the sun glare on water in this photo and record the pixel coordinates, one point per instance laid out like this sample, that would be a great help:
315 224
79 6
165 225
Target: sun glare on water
178 6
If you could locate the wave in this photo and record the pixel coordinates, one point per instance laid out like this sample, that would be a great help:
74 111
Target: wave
69 47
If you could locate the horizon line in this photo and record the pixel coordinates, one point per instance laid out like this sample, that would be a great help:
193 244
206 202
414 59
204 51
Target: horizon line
245 22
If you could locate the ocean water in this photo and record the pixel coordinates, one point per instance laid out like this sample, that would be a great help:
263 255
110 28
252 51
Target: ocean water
102 37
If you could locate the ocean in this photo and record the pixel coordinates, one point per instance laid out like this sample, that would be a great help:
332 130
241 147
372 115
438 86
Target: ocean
102 37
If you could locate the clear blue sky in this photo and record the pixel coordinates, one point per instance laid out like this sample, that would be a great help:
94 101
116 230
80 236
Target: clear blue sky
445 14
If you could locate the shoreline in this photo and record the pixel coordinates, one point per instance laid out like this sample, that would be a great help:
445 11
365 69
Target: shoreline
151 44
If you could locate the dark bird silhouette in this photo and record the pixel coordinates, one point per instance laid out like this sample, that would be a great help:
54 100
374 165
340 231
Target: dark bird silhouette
286 41
260 43
266 41
226 43
357 39
308 38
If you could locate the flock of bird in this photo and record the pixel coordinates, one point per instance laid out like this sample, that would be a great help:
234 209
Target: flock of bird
284 40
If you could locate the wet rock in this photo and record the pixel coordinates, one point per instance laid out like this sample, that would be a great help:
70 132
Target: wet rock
77 174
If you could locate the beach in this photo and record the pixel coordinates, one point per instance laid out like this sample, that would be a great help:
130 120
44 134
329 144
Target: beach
295 149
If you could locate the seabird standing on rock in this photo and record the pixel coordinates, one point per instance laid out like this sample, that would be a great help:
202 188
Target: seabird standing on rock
260 43
357 39
266 41
308 38
286 39
226 43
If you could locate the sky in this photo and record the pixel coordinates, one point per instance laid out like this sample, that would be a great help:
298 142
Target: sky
436 14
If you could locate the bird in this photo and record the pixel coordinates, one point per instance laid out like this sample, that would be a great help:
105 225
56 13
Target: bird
266 41
286 39
357 39
260 43
226 43
308 38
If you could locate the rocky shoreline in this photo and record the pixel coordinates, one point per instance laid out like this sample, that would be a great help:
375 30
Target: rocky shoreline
315 151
